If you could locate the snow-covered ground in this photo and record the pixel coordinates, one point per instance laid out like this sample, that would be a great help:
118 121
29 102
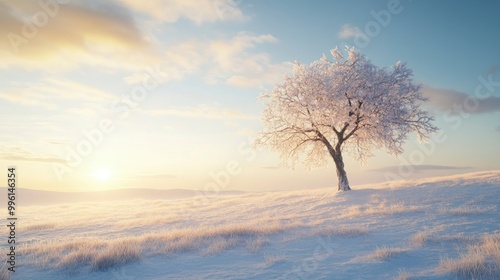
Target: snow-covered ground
437 228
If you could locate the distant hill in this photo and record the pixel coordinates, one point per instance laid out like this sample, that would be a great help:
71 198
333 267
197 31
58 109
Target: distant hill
28 197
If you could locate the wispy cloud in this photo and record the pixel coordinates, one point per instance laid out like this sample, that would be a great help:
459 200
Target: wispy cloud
186 58
349 31
448 99
272 167
70 90
198 11
27 99
50 92
105 31
236 65
56 142
247 132
232 61
108 33
203 111
33 124
151 176
81 111
22 154
419 168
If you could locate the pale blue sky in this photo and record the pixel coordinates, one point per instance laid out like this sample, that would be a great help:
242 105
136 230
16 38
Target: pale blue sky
214 58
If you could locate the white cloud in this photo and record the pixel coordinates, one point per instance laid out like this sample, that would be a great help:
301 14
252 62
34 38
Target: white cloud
67 89
17 153
235 64
27 99
349 31
227 51
186 57
51 93
198 11
270 74
231 61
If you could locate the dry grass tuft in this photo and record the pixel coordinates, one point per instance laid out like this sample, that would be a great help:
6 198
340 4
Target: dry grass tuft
422 238
272 259
352 211
117 254
386 253
220 244
39 227
482 260
4 273
75 259
380 207
392 209
342 231
101 254
465 210
255 244
403 275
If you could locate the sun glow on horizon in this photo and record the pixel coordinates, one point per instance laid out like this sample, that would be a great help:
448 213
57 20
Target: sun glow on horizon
101 174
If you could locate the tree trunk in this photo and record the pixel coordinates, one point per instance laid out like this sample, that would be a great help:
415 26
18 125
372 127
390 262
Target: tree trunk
343 183
336 154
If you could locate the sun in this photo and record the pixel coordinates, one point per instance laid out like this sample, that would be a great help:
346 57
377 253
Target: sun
101 174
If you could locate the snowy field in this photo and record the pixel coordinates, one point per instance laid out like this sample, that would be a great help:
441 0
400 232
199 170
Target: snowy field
439 228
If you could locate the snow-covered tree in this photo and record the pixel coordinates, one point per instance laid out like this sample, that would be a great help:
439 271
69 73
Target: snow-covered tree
346 105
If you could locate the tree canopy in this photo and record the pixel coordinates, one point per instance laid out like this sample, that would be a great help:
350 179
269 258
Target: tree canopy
345 105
